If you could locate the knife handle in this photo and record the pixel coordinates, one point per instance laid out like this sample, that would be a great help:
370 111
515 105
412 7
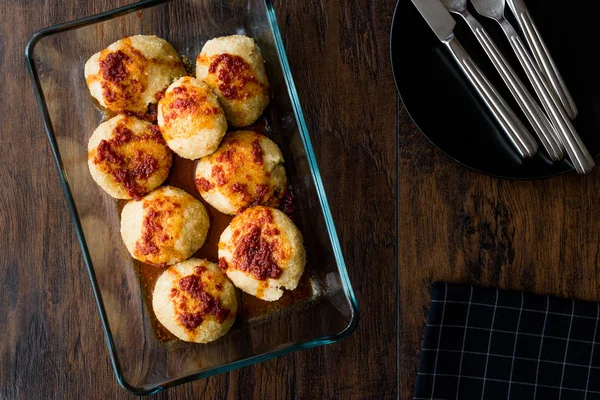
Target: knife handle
520 137
536 117
542 57
578 153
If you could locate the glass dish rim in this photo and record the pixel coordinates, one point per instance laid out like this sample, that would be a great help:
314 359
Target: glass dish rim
308 148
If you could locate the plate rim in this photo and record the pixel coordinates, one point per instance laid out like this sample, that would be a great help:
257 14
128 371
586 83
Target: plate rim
393 27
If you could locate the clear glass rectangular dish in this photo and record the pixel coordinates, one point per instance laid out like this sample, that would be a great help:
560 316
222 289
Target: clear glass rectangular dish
144 365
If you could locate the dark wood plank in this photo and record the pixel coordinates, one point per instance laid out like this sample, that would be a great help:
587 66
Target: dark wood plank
459 226
339 55
52 343
53 346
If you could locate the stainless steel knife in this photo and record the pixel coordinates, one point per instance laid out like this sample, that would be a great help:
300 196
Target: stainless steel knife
442 24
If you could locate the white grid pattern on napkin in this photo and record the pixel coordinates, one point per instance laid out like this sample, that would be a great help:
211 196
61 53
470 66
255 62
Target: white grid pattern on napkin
513 382
587 382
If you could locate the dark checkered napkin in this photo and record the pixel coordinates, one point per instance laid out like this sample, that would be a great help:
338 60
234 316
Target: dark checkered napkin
493 344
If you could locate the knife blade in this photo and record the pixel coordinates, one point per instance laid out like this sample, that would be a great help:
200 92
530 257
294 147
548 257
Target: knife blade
437 17
442 24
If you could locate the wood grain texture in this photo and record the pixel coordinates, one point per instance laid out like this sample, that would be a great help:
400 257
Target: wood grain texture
52 343
459 226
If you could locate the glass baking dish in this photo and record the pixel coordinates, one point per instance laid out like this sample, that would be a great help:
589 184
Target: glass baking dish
142 363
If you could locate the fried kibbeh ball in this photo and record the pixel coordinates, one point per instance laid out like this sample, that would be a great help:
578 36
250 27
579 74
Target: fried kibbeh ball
247 170
195 301
262 252
132 73
191 119
164 227
234 68
128 157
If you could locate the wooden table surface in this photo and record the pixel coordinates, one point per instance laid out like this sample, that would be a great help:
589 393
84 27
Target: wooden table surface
51 341
406 216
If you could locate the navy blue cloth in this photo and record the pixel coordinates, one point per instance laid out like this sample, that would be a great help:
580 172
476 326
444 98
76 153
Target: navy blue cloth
493 344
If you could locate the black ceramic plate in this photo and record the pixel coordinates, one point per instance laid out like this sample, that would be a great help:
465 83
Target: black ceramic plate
451 115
